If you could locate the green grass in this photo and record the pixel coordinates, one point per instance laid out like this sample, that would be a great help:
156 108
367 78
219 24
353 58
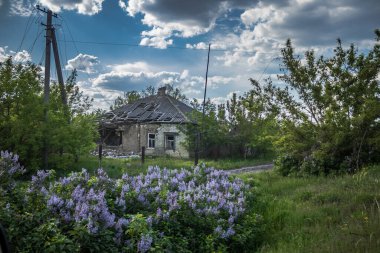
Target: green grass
319 214
115 167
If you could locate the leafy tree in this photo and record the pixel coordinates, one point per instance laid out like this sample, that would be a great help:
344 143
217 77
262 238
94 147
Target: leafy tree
129 97
329 109
149 91
132 96
77 101
21 110
23 127
175 93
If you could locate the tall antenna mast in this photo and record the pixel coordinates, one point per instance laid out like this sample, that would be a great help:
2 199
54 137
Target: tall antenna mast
198 137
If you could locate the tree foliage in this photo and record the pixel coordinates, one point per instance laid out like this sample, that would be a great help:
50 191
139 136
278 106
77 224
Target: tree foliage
131 96
23 126
329 109
240 128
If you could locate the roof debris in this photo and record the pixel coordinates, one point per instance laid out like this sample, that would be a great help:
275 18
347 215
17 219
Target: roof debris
160 108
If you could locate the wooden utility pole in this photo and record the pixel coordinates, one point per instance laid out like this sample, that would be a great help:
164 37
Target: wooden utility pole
59 69
48 40
51 40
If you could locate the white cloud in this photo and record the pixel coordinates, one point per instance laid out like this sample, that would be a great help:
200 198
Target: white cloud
217 81
139 66
83 63
3 54
138 75
19 57
86 7
168 18
157 42
223 100
22 56
22 8
258 14
133 76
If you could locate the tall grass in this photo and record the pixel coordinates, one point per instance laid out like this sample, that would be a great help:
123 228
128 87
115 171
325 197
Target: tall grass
319 214
115 167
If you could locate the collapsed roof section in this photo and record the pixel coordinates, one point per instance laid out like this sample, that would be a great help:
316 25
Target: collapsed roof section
160 108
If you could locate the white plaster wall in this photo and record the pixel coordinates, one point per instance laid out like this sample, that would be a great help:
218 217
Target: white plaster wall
179 151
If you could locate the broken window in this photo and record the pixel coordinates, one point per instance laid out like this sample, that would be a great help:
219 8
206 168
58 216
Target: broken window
170 141
151 140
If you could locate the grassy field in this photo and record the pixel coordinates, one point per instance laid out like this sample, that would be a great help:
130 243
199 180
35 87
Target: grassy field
319 214
115 167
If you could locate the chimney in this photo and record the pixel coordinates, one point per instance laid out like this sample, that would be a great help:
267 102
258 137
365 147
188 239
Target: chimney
161 91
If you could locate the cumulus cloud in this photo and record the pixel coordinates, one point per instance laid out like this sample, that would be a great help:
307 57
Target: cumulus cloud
169 18
22 56
19 57
138 75
139 66
312 22
83 63
133 76
223 100
203 46
255 46
157 42
3 54
22 8
86 7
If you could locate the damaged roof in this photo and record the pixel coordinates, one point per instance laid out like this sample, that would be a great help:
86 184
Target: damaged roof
160 108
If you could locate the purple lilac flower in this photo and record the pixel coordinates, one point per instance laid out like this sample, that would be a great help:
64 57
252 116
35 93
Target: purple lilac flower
145 243
218 230
230 232
55 202
38 179
149 220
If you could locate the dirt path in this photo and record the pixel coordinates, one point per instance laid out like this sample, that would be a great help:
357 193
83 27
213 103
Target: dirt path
253 169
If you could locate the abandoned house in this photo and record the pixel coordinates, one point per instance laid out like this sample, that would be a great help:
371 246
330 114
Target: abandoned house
151 122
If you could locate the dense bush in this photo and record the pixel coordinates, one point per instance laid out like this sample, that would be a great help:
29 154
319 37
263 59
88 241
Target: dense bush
328 109
24 127
203 210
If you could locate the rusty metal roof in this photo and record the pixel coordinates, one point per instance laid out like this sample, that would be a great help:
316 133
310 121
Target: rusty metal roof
160 108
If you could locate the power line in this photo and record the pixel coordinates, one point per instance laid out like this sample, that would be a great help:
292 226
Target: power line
169 47
266 67
27 27
38 34
76 48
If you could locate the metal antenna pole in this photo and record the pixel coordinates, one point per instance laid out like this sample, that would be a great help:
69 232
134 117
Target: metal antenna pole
204 95
198 137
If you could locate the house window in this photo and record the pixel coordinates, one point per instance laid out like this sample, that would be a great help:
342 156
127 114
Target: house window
151 140
170 141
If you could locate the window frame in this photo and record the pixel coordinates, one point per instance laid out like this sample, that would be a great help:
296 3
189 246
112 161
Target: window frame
151 139
171 146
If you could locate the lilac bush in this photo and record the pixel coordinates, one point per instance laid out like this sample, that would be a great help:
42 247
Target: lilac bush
99 202
9 164
10 169
143 211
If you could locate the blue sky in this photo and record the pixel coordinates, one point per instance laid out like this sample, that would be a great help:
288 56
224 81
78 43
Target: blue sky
123 45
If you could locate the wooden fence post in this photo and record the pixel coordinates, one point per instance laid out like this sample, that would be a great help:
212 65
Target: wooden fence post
142 154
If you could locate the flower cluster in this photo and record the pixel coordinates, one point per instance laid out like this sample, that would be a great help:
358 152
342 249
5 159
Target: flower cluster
10 168
206 192
9 163
100 203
